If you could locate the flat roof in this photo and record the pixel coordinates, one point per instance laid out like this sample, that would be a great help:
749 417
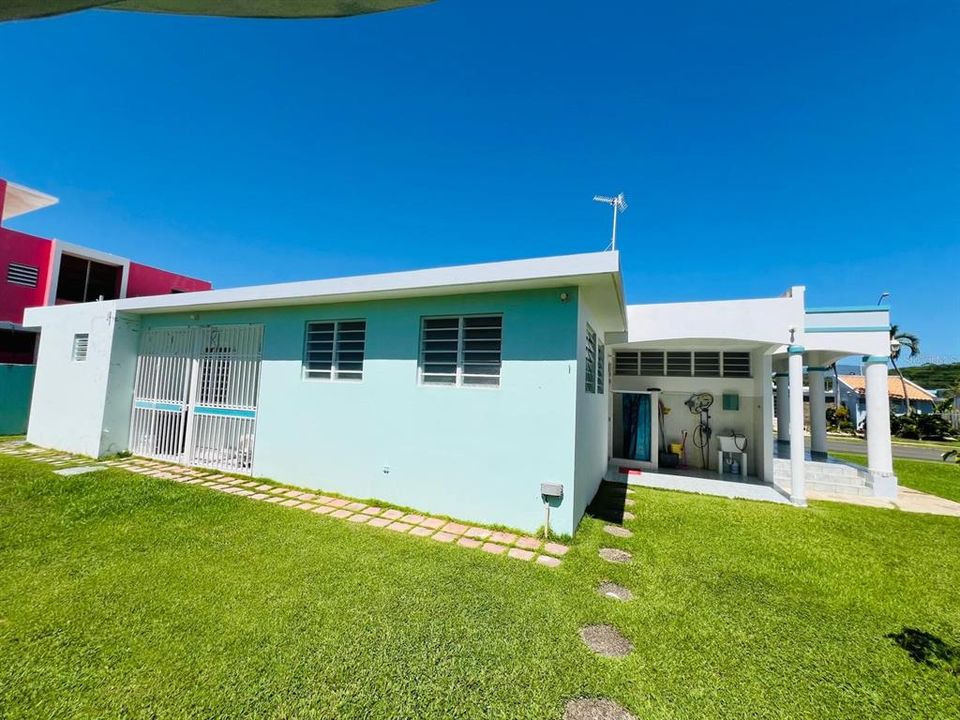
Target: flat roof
20 200
600 269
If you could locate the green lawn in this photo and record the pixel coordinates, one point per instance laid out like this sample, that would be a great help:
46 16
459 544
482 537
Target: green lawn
127 596
936 478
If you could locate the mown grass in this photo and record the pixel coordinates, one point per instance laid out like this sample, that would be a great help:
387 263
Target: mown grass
127 596
929 476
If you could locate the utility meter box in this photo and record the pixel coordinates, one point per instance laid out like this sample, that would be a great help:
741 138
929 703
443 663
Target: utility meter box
551 490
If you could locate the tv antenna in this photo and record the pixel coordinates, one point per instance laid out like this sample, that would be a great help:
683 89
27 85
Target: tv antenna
619 204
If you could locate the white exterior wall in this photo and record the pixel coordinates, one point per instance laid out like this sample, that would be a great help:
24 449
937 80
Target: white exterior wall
592 424
67 409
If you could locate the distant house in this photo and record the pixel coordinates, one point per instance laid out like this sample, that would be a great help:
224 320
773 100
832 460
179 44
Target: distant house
853 396
41 271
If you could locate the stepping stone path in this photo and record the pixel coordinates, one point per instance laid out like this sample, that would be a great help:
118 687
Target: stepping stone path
596 709
615 556
617 531
606 640
614 591
506 544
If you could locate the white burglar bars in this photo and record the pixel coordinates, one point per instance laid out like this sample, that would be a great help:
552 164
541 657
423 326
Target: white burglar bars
195 396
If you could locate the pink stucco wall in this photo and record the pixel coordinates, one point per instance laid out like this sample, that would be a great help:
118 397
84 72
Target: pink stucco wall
146 280
18 247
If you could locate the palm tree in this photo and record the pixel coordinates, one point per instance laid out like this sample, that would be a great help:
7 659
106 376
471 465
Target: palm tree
899 341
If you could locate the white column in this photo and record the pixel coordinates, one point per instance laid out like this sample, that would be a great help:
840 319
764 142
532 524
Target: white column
798 491
818 410
879 451
766 426
783 408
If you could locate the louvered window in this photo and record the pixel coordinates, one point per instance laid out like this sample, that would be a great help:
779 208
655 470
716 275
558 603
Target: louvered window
736 364
590 361
334 350
20 274
80 343
678 364
706 364
463 350
601 368
651 363
625 363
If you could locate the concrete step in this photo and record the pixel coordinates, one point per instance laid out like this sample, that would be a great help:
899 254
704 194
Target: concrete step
839 488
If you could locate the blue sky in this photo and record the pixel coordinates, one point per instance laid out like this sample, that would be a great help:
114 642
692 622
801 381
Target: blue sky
760 144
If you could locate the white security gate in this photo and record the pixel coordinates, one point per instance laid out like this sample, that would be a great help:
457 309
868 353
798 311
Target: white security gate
195 396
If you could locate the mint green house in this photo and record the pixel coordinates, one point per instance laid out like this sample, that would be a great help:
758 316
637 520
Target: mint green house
455 391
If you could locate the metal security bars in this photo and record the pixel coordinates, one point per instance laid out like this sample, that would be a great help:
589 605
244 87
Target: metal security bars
20 274
657 363
464 350
334 350
195 396
81 342
590 361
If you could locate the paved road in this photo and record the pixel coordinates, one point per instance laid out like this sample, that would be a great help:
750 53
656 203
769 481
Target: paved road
859 447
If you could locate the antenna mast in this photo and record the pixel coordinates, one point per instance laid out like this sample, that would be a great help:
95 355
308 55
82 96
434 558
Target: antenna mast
619 204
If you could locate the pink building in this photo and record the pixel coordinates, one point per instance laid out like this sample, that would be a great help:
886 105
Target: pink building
39 271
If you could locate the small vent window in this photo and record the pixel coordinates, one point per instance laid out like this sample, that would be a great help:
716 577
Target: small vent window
80 343
706 364
19 274
590 361
625 363
461 350
651 363
335 350
736 364
678 364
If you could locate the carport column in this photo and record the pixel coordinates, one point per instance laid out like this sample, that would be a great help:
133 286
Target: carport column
798 489
818 410
783 407
879 452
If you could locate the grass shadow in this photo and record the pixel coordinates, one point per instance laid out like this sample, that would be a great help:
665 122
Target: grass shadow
927 649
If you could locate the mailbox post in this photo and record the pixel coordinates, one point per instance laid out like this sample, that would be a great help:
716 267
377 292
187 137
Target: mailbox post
549 491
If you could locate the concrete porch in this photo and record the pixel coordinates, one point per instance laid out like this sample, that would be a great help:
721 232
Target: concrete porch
695 480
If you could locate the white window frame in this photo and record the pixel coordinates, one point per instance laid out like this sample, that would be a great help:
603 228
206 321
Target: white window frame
80 348
459 376
334 353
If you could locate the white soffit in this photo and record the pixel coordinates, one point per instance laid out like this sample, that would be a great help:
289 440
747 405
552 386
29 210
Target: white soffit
20 200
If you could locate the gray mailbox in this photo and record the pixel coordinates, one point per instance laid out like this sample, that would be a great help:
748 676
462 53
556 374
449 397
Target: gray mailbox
551 490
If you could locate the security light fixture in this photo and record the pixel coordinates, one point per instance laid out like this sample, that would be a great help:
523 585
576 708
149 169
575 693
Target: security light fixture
883 295
619 204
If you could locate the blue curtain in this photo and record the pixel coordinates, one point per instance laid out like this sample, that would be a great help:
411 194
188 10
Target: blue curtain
636 426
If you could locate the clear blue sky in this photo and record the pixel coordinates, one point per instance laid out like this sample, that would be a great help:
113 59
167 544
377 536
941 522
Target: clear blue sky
760 144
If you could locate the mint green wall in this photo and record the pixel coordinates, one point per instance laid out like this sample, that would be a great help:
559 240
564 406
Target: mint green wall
474 453
16 386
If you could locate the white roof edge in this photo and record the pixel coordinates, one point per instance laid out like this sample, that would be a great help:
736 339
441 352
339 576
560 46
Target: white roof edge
511 271
20 200
780 298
